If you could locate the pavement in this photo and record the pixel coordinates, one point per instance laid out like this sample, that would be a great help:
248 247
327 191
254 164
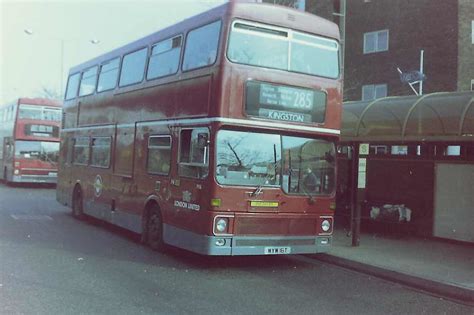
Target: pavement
436 266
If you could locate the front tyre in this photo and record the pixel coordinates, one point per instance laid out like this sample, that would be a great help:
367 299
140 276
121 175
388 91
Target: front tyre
154 230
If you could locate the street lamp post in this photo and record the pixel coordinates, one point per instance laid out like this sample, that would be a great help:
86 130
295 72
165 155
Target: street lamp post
29 31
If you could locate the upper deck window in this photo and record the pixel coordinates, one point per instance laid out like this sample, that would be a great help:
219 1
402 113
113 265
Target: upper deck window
72 86
133 67
88 81
201 46
39 112
108 75
279 48
164 59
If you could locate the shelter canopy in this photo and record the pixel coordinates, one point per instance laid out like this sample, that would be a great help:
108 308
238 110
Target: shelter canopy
432 117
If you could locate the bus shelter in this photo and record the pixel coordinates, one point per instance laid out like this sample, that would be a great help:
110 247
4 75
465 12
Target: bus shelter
406 164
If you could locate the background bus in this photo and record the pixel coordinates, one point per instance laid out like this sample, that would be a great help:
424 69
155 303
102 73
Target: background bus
216 135
29 137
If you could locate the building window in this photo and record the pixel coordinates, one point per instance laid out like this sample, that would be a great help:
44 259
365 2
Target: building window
472 85
133 67
373 91
159 155
375 41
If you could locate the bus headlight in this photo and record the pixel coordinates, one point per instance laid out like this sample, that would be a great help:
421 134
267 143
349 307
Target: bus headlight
221 225
325 225
16 172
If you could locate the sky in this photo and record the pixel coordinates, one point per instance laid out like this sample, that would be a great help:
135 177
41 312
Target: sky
31 63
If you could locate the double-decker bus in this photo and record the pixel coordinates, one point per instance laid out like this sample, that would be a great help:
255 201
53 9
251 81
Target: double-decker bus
29 139
215 135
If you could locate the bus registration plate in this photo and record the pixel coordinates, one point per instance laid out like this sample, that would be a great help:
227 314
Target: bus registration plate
277 250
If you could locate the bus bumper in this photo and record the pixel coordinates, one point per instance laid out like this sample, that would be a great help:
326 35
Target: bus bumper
34 179
245 245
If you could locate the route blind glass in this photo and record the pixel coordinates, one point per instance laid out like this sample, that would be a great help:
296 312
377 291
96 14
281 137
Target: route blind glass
284 103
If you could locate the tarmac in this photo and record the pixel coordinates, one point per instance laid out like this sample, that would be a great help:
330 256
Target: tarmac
439 267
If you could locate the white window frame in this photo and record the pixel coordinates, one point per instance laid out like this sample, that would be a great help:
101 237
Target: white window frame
472 32
374 89
376 43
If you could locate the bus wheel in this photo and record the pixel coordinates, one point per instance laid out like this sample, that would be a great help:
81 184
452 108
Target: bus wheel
154 230
77 205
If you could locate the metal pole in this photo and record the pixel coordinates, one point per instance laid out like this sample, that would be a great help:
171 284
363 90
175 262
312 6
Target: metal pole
355 208
421 71
62 67
342 23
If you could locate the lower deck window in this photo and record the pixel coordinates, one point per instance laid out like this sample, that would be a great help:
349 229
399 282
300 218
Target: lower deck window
100 156
81 151
194 153
159 154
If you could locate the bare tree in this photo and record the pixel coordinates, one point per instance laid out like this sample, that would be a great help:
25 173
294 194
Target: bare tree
48 92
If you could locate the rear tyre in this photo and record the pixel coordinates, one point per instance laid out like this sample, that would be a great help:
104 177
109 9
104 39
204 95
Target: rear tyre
77 204
154 230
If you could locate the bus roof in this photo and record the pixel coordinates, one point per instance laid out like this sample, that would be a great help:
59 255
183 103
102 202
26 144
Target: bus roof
40 101
271 14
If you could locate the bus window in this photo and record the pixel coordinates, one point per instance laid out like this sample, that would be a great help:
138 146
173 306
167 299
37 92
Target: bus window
159 154
108 75
201 46
194 153
164 59
88 81
100 152
133 67
399 150
72 86
81 151
279 48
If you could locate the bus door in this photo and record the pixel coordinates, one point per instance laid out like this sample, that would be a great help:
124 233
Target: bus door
123 182
100 162
7 156
187 187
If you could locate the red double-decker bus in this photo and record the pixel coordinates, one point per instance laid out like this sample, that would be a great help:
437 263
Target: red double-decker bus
29 136
216 135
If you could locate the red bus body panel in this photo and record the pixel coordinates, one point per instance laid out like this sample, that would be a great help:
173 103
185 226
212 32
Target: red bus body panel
203 97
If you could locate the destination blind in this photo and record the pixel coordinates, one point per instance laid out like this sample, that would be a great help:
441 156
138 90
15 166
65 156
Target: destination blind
284 103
